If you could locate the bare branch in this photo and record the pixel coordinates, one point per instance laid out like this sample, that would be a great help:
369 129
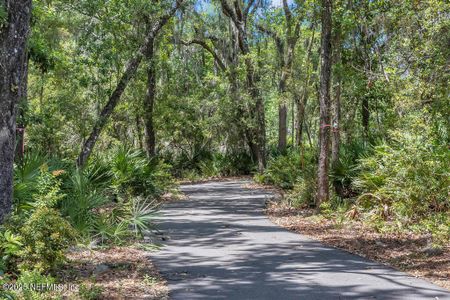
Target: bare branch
247 9
287 13
205 46
278 41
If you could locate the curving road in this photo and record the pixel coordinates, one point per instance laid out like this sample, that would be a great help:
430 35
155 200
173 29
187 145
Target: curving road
219 245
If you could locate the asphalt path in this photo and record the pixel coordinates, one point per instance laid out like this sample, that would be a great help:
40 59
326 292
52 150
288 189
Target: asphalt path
218 244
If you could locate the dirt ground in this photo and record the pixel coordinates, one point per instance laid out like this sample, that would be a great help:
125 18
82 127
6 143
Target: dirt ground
116 273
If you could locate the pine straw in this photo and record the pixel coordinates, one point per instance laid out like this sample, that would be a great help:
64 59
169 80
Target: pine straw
129 275
403 251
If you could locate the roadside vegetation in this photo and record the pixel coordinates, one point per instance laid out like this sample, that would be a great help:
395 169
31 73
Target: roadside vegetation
105 105
58 207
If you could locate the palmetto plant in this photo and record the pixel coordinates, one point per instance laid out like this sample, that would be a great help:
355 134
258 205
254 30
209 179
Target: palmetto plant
82 200
26 176
141 213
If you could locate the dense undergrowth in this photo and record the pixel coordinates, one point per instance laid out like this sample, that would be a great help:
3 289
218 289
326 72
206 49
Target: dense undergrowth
111 201
396 185
208 164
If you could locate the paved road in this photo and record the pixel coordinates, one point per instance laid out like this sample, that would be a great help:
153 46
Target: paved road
219 245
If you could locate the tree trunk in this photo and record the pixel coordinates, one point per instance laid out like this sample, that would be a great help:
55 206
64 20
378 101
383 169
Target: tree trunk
129 73
301 105
336 137
324 101
20 130
365 115
149 101
336 108
139 143
302 101
336 105
282 124
260 130
239 18
13 38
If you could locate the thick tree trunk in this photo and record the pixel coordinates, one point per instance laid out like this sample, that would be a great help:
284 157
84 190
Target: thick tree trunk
129 73
149 101
13 38
324 101
20 130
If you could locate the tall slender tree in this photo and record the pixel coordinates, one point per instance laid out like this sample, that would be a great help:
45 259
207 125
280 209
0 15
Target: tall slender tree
336 104
301 99
128 74
149 102
324 102
285 46
239 16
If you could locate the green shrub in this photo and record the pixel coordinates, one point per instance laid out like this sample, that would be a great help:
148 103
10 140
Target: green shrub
90 292
134 174
140 214
32 281
4 293
38 182
190 175
110 228
11 245
438 225
26 177
346 170
406 179
210 168
234 164
45 237
304 190
83 200
231 164
283 171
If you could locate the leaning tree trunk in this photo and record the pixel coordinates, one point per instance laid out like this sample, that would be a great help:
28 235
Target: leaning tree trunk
13 37
324 101
129 73
149 102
